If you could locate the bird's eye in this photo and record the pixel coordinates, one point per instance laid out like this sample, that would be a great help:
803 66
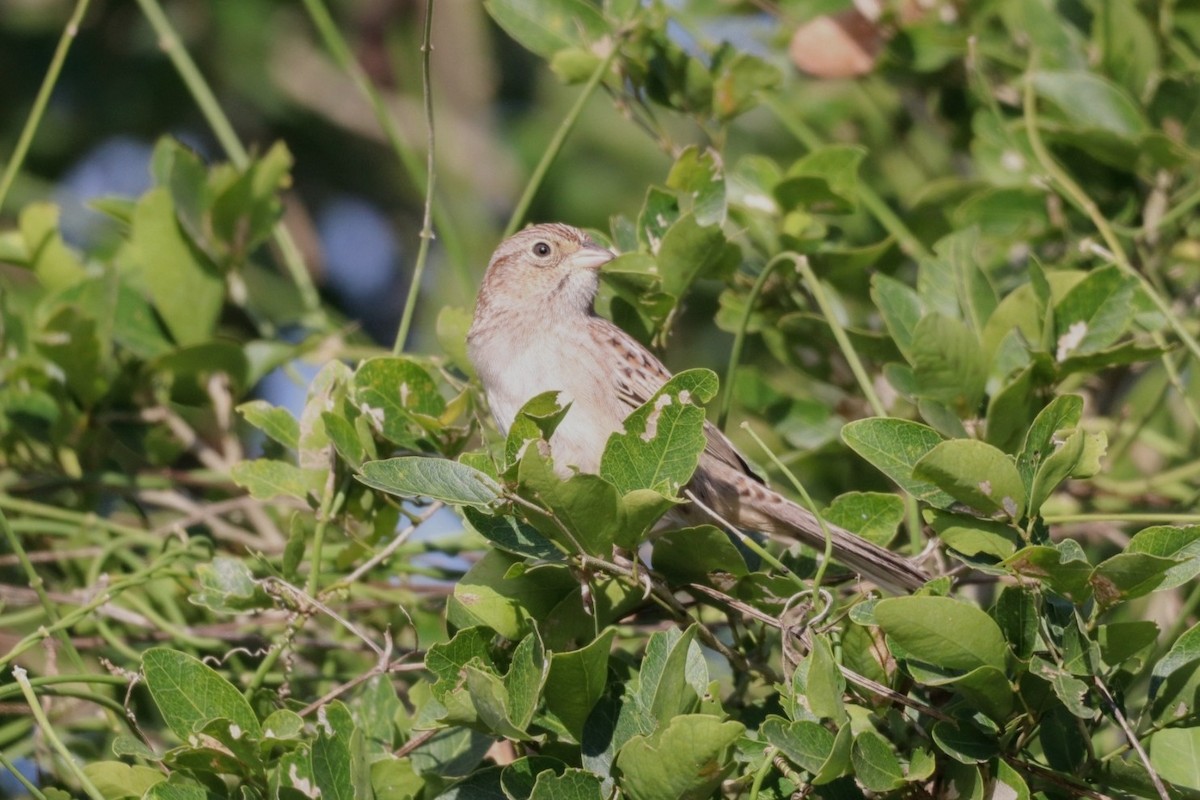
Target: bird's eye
541 249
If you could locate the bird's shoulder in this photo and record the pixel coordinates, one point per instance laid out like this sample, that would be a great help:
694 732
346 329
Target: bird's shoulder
638 375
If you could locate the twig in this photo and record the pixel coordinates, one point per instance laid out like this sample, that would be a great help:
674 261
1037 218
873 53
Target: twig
416 741
1131 736
43 97
741 536
739 338
414 285
209 514
306 600
336 44
204 453
827 556
859 680
52 735
1049 775
392 546
556 142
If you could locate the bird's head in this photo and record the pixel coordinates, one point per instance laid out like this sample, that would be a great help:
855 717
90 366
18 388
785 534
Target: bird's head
549 268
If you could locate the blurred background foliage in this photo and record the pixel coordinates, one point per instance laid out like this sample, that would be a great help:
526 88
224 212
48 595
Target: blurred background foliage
995 201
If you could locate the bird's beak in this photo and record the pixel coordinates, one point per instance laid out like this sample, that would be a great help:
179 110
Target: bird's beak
591 256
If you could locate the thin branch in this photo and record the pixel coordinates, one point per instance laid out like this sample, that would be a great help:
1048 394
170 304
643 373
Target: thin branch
739 338
858 680
43 98
1131 736
556 142
51 734
414 286
336 44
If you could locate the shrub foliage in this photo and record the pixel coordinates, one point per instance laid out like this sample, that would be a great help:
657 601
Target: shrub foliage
960 291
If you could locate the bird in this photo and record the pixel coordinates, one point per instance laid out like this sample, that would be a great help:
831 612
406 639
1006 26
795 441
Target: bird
535 329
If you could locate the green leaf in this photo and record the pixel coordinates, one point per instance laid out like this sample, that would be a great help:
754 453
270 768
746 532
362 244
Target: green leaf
266 478
660 211
1175 756
806 744
685 760
117 781
447 659
943 632
1072 691
663 439
1184 651
1010 783
547 26
189 693
901 309
506 705
187 291
1057 467
576 682
1122 641
948 362
1167 541
984 689
331 753
585 505
227 586
519 777
965 742
875 765
245 211
823 682
1062 573
702 555
663 689
1089 101
698 175
437 478
573 784
174 791
1128 45
488 595
973 536
536 420
527 673
691 251
52 261
395 779
875 516
894 446
395 392
737 77
282 725
1016 614
1126 576
574 65
1094 313
1012 409
276 422
345 438
1062 413
977 474
73 343
824 181
511 534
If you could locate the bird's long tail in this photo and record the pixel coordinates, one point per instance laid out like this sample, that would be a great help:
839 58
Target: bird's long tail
760 508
